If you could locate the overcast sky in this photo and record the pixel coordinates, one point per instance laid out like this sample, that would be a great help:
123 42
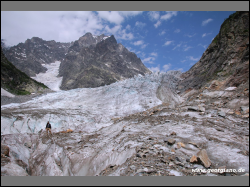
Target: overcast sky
164 40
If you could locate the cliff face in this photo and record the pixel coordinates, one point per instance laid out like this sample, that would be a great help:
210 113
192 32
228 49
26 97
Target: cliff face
97 61
226 61
17 82
29 56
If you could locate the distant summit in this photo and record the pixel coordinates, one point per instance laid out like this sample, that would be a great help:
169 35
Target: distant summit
94 61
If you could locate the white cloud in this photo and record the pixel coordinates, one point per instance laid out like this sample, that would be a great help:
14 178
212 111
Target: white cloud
157 24
205 34
154 54
183 61
167 43
139 42
144 45
177 46
140 24
62 26
49 25
205 22
153 15
111 16
116 17
192 58
186 48
177 30
155 69
128 27
166 67
180 69
148 60
119 33
204 46
130 13
162 32
169 15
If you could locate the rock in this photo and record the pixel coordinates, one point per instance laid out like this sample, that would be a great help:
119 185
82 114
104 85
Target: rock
171 164
171 141
180 144
245 116
192 108
237 112
201 108
69 130
202 155
193 144
193 159
173 133
222 114
5 150
172 150
244 109
28 144
139 155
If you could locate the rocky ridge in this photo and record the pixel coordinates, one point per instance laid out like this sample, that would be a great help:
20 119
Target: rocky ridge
94 61
29 56
15 81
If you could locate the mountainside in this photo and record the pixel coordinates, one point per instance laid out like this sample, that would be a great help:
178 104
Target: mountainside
17 82
226 60
29 56
97 61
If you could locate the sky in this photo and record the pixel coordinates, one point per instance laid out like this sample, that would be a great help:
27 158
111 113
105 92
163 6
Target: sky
163 40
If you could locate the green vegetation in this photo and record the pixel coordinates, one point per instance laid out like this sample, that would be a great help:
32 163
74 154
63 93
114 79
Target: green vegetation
14 80
215 40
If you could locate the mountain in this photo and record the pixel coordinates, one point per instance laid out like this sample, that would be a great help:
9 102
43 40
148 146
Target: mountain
15 81
90 61
94 61
226 60
29 56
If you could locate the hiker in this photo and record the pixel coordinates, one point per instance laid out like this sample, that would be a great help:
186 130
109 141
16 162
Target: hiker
48 127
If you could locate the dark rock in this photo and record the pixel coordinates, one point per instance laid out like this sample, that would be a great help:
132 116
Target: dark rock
5 150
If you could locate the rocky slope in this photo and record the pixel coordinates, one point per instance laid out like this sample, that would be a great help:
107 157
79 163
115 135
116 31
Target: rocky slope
15 81
29 56
94 61
226 60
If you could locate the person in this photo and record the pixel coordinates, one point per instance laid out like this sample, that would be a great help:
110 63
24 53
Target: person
48 127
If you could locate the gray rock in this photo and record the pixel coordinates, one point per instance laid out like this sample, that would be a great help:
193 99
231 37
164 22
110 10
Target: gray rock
132 167
171 141
244 109
28 144
222 114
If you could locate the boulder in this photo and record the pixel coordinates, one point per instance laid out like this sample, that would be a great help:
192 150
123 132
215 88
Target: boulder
202 155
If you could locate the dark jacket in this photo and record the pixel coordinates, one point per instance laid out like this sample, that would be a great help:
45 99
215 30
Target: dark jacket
48 125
